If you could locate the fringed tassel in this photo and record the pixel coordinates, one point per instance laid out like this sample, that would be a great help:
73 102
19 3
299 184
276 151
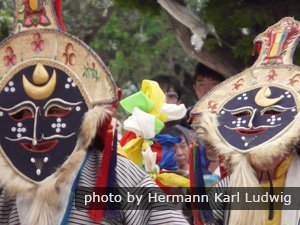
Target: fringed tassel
58 10
223 169
206 214
111 183
271 204
198 188
103 171
193 180
113 161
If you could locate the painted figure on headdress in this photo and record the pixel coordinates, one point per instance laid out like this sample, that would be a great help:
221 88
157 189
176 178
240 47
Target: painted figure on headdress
35 13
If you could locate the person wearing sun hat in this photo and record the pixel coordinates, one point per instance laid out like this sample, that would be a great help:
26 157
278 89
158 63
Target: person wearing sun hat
57 99
252 120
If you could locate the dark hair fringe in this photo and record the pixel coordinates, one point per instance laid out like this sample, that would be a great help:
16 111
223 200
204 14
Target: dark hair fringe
205 72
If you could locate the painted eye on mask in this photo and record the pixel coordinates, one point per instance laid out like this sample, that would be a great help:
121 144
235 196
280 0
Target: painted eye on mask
57 111
242 113
273 110
21 114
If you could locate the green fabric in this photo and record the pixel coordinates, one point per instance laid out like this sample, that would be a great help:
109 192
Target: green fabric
139 100
158 126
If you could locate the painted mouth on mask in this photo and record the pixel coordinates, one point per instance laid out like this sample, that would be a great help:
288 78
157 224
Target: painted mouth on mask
40 147
251 131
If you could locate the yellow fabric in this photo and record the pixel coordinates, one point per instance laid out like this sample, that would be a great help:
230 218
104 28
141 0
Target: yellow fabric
152 90
278 181
132 150
173 180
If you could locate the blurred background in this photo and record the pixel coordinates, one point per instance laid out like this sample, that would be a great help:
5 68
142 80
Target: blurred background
138 39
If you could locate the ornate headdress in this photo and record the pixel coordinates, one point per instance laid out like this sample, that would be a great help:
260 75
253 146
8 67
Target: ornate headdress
252 118
55 93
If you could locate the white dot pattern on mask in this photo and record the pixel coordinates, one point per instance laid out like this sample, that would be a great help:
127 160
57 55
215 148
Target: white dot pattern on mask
19 130
273 120
238 122
1 113
244 97
58 126
70 83
78 108
223 112
10 87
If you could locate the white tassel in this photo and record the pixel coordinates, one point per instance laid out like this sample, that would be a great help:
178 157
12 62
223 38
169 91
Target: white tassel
244 176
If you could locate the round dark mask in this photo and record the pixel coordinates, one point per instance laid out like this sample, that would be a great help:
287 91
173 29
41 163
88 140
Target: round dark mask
39 121
244 124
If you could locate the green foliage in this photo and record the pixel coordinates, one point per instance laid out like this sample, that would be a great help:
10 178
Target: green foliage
145 6
6 19
135 45
232 17
139 46
84 18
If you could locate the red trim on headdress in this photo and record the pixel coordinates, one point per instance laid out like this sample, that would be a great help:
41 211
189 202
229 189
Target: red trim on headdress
106 134
58 10
256 48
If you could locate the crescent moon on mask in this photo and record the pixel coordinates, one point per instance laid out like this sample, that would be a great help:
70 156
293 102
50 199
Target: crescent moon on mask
262 99
40 92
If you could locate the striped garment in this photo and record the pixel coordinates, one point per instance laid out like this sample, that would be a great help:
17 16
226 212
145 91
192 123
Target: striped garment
127 175
219 208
